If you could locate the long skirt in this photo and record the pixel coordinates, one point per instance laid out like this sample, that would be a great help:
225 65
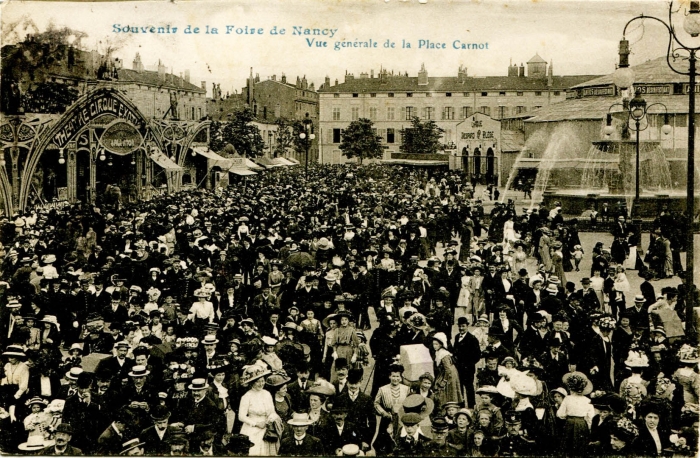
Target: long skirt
574 438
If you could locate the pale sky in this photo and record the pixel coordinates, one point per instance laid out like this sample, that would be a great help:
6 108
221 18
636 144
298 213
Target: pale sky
580 37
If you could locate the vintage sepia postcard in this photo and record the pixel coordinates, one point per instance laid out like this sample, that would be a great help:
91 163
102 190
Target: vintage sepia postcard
317 228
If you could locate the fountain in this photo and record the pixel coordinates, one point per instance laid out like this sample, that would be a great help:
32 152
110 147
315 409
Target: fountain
581 175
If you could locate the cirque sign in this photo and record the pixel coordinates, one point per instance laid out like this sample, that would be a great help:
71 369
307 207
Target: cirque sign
121 138
99 105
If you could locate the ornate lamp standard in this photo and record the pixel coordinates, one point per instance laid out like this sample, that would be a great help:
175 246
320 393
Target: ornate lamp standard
624 78
637 111
308 136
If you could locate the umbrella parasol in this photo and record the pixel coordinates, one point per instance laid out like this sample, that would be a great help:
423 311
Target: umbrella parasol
299 260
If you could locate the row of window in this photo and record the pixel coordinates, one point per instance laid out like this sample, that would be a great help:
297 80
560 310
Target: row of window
465 94
429 113
387 135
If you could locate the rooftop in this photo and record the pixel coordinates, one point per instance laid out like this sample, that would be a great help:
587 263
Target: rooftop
651 71
394 83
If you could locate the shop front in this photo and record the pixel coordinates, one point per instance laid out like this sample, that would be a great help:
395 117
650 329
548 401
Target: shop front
478 153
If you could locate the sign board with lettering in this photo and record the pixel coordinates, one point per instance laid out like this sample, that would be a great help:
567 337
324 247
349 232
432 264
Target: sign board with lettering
101 104
597 91
478 131
237 162
121 138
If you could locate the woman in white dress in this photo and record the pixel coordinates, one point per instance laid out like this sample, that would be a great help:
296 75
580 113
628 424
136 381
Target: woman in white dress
509 236
257 410
464 301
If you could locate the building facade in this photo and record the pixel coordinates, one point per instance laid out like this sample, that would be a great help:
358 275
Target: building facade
392 100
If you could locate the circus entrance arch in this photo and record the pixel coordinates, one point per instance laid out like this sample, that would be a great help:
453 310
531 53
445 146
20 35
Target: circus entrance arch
101 148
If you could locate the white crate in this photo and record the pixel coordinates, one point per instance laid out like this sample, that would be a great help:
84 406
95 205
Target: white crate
416 361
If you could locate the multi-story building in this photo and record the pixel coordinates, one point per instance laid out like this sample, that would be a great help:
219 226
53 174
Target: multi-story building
392 100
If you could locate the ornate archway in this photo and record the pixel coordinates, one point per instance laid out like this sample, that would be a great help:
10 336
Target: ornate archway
106 124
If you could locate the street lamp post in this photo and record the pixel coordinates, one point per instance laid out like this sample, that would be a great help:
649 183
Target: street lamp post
624 78
308 137
636 110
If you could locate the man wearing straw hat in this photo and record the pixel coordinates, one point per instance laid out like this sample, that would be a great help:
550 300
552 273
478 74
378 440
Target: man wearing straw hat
133 447
300 443
201 411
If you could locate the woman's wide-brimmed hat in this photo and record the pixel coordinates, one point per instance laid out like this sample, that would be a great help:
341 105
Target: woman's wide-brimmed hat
48 258
688 354
15 351
577 381
416 403
326 321
637 359
277 380
37 400
253 373
35 443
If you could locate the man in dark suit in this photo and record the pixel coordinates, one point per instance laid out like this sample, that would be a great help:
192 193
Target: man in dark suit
467 353
111 440
85 415
532 341
205 445
119 366
297 389
339 432
360 407
554 361
202 411
587 296
596 360
156 436
300 443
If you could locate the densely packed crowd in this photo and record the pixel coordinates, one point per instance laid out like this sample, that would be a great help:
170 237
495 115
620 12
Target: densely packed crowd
237 321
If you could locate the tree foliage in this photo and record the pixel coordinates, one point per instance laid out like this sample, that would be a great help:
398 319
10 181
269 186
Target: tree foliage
239 132
360 140
421 138
287 136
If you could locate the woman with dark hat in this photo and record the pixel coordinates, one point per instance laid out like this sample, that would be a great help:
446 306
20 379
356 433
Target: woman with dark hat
623 434
654 436
276 384
578 412
346 342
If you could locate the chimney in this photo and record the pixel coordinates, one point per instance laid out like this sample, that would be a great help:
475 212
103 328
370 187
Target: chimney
336 81
257 77
204 85
462 74
371 73
304 84
137 65
349 77
187 76
549 75
274 77
284 78
521 71
298 82
364 76
312 87
423 76
161 71
512 69
327 83
181 80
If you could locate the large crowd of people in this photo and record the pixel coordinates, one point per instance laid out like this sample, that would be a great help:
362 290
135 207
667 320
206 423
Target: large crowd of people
364 310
